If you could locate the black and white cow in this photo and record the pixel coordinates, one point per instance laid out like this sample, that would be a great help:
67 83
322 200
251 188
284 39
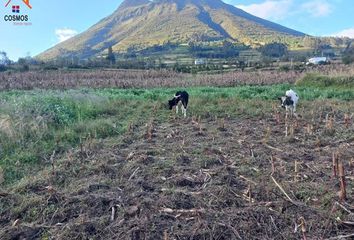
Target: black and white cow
289 101
180 97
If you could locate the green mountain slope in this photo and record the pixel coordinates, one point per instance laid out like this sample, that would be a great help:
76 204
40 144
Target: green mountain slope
144 23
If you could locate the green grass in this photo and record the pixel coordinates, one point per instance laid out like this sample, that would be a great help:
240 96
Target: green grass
35 123
321 81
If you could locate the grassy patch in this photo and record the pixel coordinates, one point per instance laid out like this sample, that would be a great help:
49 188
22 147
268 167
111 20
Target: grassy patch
322 81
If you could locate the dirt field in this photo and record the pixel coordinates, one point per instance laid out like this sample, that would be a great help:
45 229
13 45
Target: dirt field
248 177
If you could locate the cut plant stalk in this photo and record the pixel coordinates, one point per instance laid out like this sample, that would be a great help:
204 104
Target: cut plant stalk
335 163
296 171
343 192
346 120
291 130
303 228
273 164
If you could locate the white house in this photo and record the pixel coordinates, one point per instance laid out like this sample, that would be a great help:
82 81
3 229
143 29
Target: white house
317 60
199 61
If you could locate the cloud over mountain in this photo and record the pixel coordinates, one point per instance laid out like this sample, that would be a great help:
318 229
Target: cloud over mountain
270 9
64 34
282 9
349 32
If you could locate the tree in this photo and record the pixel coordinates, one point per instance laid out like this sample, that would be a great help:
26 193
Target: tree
348 56
4 60
274 50
23 63
111 57
227 44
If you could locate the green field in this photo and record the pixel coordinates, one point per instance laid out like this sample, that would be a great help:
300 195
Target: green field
69 157
35 123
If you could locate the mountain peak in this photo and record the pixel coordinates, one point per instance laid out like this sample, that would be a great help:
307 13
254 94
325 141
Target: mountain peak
136 3
133 3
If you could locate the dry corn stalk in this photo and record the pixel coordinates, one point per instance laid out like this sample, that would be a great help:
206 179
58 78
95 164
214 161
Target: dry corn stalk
194 211
16 223
329 122
249 193
346 120
149 131
286 130
165 235
113 213
291 130
303 228
296 171
312 116
155 108
50 189
52 162
343 192
222 123
114 209
309 129
277 117
1 176
273 164
351 162
130 128
335 158
267 135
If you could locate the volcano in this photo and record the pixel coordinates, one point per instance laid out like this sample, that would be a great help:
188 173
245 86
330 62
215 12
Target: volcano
140 24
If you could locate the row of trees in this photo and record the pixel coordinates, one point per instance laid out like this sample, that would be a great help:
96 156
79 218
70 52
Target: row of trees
152 57
227 49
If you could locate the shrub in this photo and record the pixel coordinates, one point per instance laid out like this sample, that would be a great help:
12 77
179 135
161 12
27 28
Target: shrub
284 68
348 59
317 80
274 50
348 56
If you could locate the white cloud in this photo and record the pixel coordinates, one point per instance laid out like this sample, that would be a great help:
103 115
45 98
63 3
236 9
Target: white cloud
281 9
317 8
345 33
65 33
270 9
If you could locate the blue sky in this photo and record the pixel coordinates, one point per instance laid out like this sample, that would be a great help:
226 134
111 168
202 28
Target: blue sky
55 21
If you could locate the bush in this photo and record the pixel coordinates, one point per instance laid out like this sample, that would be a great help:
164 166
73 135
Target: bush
348 56
316 80
348 59
284 68
274 50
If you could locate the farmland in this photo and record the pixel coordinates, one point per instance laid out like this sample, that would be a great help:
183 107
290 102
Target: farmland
95 154
113 78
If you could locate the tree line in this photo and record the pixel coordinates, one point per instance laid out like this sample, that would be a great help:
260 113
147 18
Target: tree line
151 57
